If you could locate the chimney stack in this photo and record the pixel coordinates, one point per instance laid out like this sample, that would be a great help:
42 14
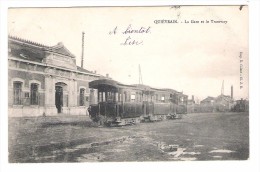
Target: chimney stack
231 91
82 54
192 97
107 75
222 88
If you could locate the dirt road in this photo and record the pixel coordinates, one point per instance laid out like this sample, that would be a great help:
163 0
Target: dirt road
218 136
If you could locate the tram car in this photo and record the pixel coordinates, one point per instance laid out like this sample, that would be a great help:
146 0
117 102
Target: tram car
119 104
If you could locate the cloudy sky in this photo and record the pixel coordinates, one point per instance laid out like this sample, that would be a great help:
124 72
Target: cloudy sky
191 57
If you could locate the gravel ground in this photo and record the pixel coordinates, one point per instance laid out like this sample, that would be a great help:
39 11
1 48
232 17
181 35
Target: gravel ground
215 136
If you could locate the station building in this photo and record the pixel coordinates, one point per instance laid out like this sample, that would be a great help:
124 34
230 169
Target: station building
45 80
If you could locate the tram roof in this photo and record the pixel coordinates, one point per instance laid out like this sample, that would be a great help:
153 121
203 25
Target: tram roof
109 84
103 82
114 85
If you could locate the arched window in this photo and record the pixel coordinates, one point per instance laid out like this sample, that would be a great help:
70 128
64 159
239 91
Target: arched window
82 97
17 92
34 94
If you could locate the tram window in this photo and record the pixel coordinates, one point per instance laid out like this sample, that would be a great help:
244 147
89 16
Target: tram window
156 97
145 97
125 95
128 97
110 96
149 98
119 97
100 96
162 98
116 97
104 97
132 97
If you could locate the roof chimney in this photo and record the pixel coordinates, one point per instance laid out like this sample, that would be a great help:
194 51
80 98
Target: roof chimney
82 54
222 88
107 75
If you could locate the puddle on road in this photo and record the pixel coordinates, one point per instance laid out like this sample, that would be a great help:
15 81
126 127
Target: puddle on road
174 151
83 146
198 146
67 150
185 159
191 153
217 157
114 150
91 157
177 152
122 142
221 151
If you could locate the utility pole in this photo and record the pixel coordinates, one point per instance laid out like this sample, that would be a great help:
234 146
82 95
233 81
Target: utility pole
82 53
140 75
222 89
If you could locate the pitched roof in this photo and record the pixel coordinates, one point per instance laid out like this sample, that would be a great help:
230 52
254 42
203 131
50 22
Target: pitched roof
224 97
208 99
83 70
59 48
27 41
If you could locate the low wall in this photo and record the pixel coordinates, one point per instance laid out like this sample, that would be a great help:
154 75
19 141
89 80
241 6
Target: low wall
36 111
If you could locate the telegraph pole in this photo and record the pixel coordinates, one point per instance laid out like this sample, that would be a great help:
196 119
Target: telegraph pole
82 53
140 75
222 89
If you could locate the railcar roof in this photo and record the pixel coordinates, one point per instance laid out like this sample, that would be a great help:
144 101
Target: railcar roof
103 82
114 85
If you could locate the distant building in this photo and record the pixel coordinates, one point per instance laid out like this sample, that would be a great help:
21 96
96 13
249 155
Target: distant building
223 103
209 101
241 106
45 80
191 105
207 105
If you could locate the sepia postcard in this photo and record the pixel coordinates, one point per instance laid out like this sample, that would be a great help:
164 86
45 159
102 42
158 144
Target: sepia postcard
128 84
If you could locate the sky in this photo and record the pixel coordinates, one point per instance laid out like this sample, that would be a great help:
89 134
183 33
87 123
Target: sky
191 57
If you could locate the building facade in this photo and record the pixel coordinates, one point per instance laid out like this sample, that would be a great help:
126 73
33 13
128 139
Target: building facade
222 103
45 80
241 105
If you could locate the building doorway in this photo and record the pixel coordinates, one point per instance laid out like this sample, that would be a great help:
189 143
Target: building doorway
59 98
